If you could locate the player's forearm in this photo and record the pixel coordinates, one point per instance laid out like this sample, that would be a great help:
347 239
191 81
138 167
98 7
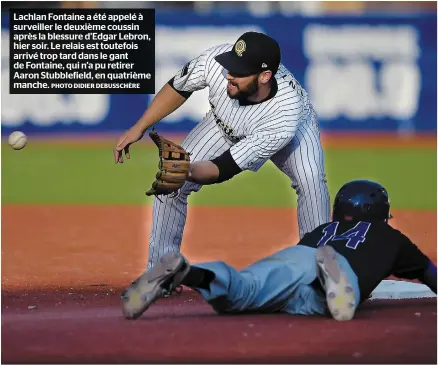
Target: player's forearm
164 103
429 277
216 171
203 172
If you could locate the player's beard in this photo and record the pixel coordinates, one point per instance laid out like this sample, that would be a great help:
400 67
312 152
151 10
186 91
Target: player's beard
250 90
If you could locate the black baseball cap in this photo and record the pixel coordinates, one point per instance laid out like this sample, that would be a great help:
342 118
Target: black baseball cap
252 53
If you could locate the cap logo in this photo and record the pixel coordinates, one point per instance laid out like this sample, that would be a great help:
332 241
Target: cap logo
240 47
264 65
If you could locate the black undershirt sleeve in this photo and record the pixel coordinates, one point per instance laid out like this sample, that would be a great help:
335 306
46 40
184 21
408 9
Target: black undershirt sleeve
411 262
184 94
227 166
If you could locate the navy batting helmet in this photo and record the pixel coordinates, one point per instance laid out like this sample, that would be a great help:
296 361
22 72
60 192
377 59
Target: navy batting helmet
361 200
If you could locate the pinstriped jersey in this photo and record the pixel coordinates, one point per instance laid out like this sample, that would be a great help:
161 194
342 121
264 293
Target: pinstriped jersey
254 131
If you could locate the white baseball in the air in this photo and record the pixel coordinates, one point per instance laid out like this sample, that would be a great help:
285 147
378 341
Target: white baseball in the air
17 140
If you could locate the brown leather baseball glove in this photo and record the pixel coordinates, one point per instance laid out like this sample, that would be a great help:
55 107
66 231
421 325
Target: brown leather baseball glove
173 166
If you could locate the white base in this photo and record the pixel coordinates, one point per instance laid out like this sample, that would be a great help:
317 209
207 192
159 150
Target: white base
394 289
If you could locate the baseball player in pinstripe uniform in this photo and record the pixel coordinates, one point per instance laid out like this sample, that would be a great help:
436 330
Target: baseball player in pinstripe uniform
259 112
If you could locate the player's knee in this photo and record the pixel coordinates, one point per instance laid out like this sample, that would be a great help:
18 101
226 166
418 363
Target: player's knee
181 195
308 178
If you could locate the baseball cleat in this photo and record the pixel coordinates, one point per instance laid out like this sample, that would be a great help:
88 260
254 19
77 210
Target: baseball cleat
339 291
160 280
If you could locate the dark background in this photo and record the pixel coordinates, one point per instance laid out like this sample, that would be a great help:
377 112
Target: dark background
143 57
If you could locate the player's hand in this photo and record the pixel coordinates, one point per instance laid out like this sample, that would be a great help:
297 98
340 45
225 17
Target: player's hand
131 136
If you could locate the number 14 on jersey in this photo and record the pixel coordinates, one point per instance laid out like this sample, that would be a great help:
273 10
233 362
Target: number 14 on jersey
354 236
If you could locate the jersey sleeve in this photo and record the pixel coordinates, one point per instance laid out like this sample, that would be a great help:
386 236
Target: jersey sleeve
254 150
194 74
410 262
